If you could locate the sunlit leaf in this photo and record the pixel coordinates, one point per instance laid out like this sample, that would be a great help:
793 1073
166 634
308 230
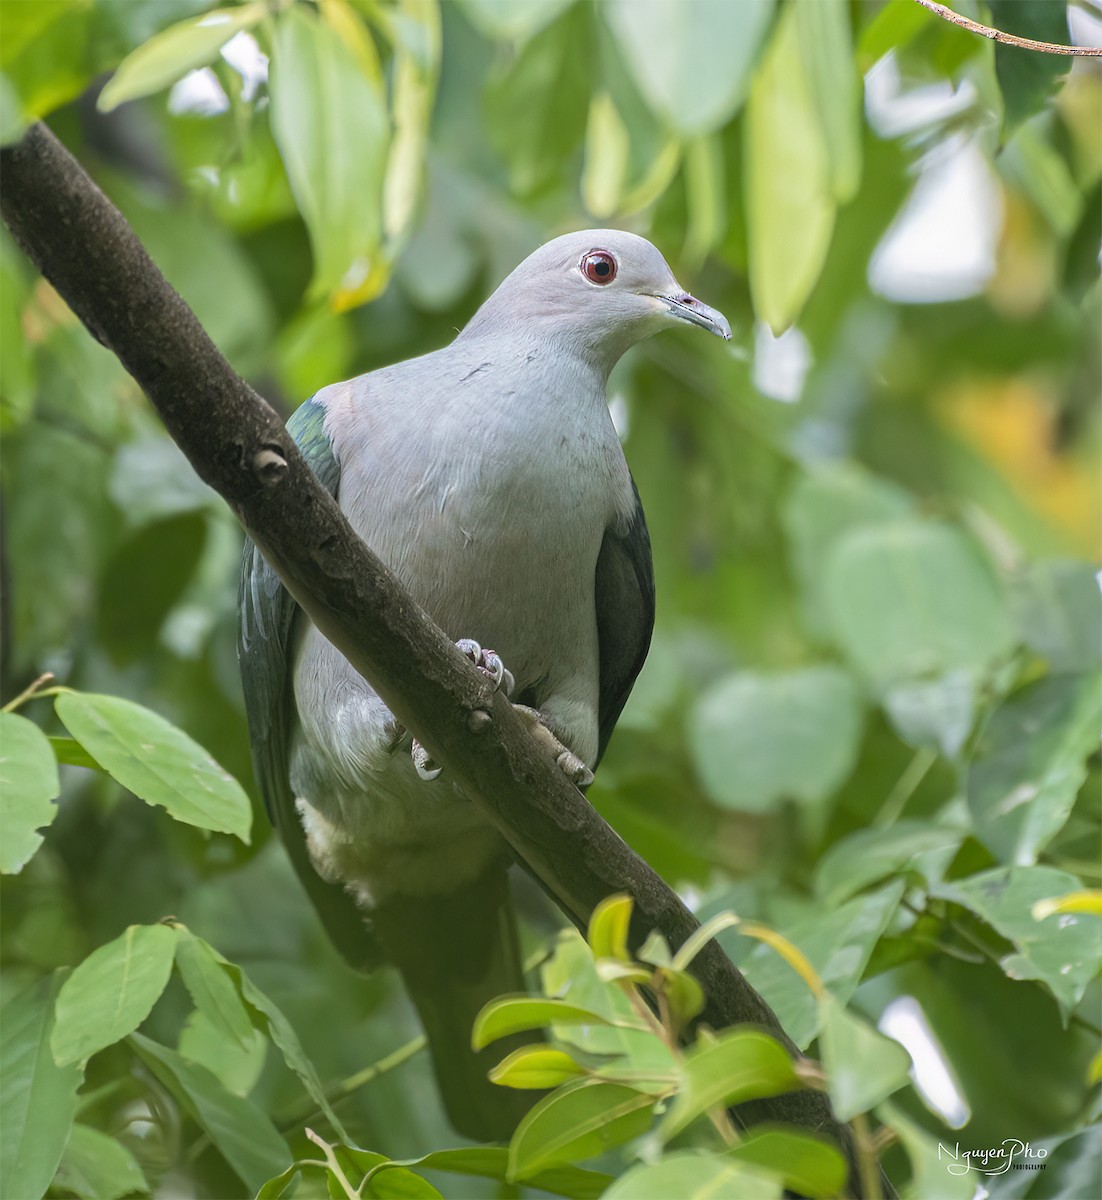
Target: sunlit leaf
330 124
536 1067
28 786
38 1099
578 1121
169 55
112 991
237 1066
517 1014
156 761
826 54
741 1064
790 204
608 928
863 1067
607 157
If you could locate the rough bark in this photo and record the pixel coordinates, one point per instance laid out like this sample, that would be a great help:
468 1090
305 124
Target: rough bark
239 446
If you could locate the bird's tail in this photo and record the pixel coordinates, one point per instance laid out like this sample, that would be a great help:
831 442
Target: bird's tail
456 951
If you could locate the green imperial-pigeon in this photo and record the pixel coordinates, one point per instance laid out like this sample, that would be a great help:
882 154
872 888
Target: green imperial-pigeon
489 477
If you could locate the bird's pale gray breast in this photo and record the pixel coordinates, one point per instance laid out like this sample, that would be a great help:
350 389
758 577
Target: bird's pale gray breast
486 481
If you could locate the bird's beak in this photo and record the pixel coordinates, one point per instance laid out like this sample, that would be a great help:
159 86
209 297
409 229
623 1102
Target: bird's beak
689 308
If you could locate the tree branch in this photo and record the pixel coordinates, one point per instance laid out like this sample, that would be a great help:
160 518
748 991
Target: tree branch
1007 39
239 446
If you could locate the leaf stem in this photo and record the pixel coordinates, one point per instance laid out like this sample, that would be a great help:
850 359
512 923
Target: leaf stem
867 1162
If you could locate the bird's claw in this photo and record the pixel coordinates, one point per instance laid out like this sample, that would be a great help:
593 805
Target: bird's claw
565 759
490 664
422 762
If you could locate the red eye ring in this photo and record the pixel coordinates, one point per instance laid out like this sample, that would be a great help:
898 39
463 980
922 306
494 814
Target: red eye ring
598 266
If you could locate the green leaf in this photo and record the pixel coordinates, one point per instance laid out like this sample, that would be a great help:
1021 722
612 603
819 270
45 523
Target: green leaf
415 82
516 21
112 991
821 508
863 1067
869 855
1028 79
492 1162
757 739
330 124
212 989
156 761
1058 610
1030 762
684 995
1064 950
237 1067
608 928
169 55
913 600
279 1029
741 1064
691 62
607 157
243 1134
826 54
631 1048
69 751
790 204
930 1178
516 1014
536 1067
577 1121
38 1099
536 106
28 786
97 1167
690 1175
933 714
809 1164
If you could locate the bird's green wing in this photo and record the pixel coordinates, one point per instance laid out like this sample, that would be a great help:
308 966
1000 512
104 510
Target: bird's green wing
268 618
624 593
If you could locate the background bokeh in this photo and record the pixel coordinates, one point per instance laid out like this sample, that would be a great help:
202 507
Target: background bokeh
872 700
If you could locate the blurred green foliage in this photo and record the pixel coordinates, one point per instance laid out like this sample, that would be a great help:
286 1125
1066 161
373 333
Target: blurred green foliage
869 719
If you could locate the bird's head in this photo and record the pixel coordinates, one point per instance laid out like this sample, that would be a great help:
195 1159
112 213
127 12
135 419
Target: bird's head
600 290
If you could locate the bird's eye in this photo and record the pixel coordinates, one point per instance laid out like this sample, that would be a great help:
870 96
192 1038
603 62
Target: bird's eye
598 266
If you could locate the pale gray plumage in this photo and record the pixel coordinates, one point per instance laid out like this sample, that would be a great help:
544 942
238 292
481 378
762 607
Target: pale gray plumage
489 477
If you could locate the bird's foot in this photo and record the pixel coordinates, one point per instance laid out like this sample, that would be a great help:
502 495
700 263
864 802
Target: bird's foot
490 664
540 727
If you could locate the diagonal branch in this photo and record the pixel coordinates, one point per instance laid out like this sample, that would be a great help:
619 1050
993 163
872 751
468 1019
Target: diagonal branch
1007 39
239 446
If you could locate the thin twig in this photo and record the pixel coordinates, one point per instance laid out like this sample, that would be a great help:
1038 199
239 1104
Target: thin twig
1007 39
